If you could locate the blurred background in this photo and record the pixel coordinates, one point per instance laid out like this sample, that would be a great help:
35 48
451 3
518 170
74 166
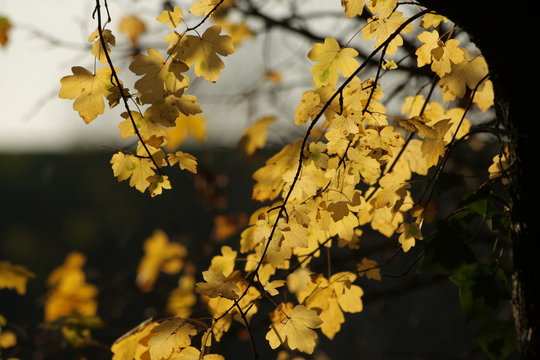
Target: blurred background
59 194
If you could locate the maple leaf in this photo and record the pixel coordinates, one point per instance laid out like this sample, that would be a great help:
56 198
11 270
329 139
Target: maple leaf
133 27
464 75
224 263
331 59
156 73
70 292
97 48
191 353
203 7
136 169
181 299
383 8
409 234
237 31
217 285
292 326
130 345
432 20
434 147
186 125
353 7
254 137
146 127
382 28
88 91
185 161
159 255
369 268
172 18
169 337
14 277
203 52
437 53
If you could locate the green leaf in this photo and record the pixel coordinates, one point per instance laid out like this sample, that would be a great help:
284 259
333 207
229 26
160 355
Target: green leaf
497 338
480 289
480 202
445 250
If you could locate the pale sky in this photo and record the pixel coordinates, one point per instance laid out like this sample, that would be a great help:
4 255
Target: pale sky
33 118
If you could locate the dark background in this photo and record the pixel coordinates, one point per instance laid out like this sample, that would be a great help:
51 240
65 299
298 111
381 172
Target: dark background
54 204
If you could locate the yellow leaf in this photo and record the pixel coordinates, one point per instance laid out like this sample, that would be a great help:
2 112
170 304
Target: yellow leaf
130 345
169 337
158 76
70 292
369 268
203 52
254 137
292 326
157 184
203 7
409 234
186 125
216 284
182 299
224 263
160 255
383 8
133 27
134 168
172 18
434 147
432 20
88 91
185 161
237 31
146 127
14 277
437 53
7 339
97 48
381 29
467 75
353 7
330 59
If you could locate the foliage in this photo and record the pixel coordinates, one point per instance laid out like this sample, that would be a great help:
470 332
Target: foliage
357 168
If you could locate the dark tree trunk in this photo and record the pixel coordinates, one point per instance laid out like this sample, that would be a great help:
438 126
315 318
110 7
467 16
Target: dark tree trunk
507 37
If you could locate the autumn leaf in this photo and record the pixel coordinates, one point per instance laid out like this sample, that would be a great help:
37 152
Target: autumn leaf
369 268
69 291
130 345
5 27
382 28
169 337
7 339
160 255
14 277
203 52
330 59
172 18
353 7
136 169
216 284
133 27
88 91
254 137
441 55
185 161
158 76
292 326
186 126
97 48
